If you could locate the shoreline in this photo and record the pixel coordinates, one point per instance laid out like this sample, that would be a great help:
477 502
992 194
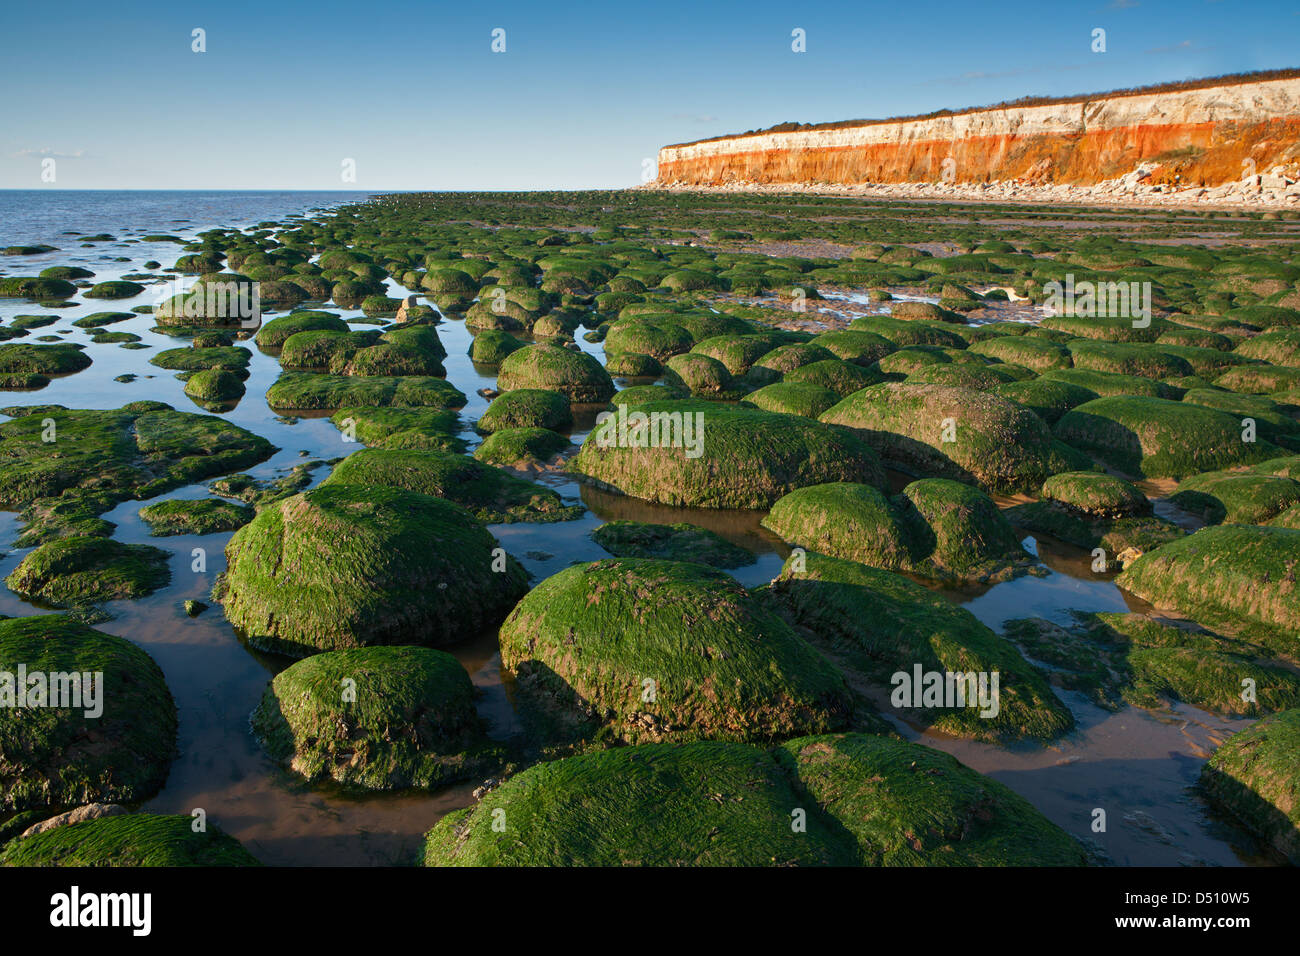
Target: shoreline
1235 196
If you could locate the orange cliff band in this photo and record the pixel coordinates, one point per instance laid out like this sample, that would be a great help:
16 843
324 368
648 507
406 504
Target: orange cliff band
1198 137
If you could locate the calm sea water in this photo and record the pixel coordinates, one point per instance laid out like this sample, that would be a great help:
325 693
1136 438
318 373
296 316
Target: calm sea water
45 216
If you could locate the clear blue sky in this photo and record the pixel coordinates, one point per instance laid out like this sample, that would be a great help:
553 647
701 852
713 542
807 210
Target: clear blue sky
584 92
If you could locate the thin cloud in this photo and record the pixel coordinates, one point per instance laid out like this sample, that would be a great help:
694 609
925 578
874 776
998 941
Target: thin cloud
1175 48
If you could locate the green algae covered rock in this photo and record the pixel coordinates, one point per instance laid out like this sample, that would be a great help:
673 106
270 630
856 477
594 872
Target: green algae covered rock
793 398
713 803
908 805
194 516
490 347
865 800
521 447
1158 438
343 566
133 839
936 528
1131 658
309 391
116 289
526 408
1255 776
272 334
490 494
214 387
1236 497
379 718
1097 494
60 359
584 642
137 451
732 457
80 571
59 756
388 427
1106 384
1238 579
196 359
842 378
883 625
557 369
672 542
956 433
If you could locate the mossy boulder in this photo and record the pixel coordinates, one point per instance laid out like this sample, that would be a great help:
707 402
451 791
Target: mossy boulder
526 408
1255 776
346 566
1239 580
842 378
738 352
1096 494
33 287
671 542
700 375
214 387
866 800
1236 497
1259 379
633 365
1159 438
389 427
1116 659
521 447
793 398
584 642
936 528
881 625
856 346
308 391
554 368
714 803
1106 384
1031 352
79 571
377 718
196 359
194 516
60 359
996 443
273 333
58 756
1278 347
134 839
742 459
491 495
490 347
116 289
1140 360
1047 399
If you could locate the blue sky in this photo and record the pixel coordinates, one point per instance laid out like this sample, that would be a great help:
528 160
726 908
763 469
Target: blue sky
583 93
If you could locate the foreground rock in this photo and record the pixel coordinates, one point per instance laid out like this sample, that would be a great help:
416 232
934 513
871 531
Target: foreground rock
59 756
136 839
344 566
83 570
584 642
557 369
1238 579
407 721
882 625
865 800
1135 659
1255 776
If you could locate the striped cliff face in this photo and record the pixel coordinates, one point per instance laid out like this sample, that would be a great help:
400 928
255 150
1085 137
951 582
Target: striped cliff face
1203 136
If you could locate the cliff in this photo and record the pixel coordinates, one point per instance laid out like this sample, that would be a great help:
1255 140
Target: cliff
1202 135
